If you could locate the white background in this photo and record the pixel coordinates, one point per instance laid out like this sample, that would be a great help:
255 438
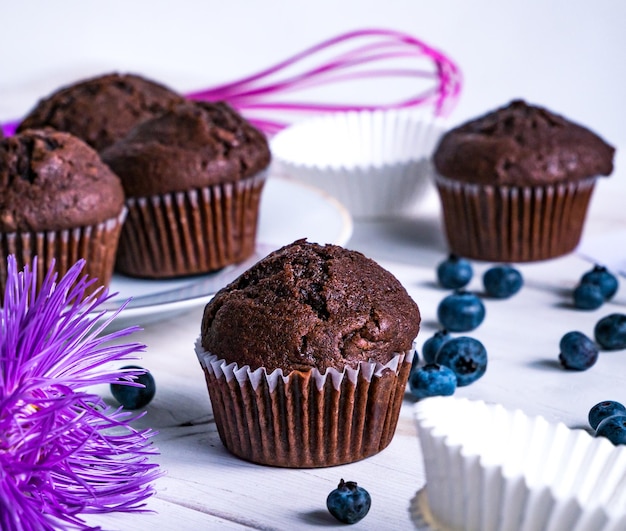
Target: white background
567 55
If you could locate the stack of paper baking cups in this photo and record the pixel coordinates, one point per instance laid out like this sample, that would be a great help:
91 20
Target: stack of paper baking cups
376 163
489 468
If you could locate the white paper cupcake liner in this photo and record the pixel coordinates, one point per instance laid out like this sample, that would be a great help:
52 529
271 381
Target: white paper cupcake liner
488 468
305 419
376 163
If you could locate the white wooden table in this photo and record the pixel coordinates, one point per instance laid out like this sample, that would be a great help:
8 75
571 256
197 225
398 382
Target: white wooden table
204 487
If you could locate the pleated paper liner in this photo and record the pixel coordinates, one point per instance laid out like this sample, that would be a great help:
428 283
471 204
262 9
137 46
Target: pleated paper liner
376 163
96 244
492 469
305 419
513 224
191 232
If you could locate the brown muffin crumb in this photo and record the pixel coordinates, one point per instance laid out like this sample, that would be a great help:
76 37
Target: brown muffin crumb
193 145
522 145
308 305
51 180
102 109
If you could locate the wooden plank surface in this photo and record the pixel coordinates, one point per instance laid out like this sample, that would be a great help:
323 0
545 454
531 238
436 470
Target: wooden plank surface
206 487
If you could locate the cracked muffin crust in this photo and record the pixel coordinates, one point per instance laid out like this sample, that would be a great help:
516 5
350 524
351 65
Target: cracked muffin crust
193 178
522 144
59 203
101 110
308 305
192 145
515 184
51 180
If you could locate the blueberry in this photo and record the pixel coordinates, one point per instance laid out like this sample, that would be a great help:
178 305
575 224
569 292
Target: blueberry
613 428
466 356
588 296
461 311
502 281
604 279
454 272
416 360
349 503
432 380
577 351
610 331
432 345
132 397
604 410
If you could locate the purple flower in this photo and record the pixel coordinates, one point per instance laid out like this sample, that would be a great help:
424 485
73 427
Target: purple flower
63 451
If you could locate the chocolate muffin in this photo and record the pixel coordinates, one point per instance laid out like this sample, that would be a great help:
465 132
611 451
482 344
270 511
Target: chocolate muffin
306 357
193 178
515 183
101 110
58 201
299 309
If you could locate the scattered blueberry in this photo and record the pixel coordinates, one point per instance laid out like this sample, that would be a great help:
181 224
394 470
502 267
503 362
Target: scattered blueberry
133 397
610 331
432 345
415 361
349 503
613 428
604 410
588 296
432 380
604 279
502 281
466 356
454 272
577 351
461 311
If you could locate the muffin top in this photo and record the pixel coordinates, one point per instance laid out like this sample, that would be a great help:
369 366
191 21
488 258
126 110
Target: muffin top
103 109
50 180
310 306
522 145
195 144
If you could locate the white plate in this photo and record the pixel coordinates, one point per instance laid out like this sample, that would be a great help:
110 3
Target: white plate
289 211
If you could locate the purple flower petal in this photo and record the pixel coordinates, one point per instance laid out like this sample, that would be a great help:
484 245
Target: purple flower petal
63 450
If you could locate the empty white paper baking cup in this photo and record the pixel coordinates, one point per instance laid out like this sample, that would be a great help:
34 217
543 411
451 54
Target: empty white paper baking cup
377 163
489 468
